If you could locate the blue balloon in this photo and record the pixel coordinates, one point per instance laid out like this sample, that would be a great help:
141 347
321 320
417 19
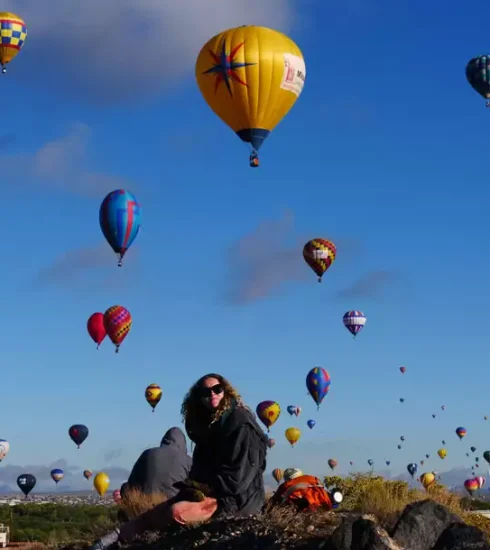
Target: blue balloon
291 409
412 468
120 220
311 424
57 474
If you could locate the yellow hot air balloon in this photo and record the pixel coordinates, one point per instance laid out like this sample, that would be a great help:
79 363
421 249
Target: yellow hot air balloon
153 394
13 33
101 483
293 435
442 453
251 76
427 479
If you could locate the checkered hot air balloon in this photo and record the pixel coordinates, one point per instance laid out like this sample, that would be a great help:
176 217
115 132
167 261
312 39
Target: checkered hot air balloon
13 34
319 254
117 322
354 321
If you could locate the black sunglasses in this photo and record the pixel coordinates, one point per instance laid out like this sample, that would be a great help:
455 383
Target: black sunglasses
216 389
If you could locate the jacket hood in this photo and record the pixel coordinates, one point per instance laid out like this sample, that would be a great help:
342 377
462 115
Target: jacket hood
175 438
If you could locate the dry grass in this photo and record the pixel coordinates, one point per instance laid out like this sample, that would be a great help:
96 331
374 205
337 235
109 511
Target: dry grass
386 499
135 502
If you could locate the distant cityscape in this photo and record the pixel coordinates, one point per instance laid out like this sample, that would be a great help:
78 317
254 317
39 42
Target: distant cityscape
73 499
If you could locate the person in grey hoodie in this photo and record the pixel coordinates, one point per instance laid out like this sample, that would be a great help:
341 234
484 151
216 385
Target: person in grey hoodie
157 470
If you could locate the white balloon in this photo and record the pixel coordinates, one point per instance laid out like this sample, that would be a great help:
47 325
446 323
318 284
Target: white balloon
4 448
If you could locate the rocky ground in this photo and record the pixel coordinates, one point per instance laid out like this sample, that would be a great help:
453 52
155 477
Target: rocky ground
424 525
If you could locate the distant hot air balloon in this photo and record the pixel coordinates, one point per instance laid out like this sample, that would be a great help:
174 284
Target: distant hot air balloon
460 432
26 483
478 75
311 423
278 474
433 416
319 254
354 321
442 453
230 71
268 412
120 220
388 462
485 418
421 462
443 407
351 462
486 456
370 462
472 449
412 469
318 384
13 32
399 446
270 442
402 437
427 480
477 459
403 369
4 448
402 400
481 481
96 328
87 474
153 394
332 463
57 475
101 483
471 485
427 456
292 435
116 495
78 434
117 322
443 442
294 409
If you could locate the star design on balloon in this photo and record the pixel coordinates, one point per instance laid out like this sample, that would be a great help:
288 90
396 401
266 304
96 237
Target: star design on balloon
225 67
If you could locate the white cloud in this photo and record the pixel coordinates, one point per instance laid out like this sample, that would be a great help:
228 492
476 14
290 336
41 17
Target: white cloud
119 48
62 164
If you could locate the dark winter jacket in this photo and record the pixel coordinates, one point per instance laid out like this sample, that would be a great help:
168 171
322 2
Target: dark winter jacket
159 469
230 457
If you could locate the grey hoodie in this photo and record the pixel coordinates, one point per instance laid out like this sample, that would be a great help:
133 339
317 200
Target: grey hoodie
158 469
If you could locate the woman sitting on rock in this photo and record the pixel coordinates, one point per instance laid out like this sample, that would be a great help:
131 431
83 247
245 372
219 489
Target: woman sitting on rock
227 468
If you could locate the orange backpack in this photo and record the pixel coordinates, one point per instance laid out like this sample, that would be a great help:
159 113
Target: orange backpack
305 492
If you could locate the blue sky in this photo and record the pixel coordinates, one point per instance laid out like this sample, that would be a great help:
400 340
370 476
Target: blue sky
384 153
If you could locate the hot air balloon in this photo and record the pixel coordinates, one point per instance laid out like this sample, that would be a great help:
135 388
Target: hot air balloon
388 462
332 463
294 409
370 462
481 481
467 454
354 321
78 434
278 474
403 369
485 418
427 456
268 412
486 456
4 448
402 438
57 475
460 432
231 69
120 220
433 416
13 32
412 469
101 483
443 407
311 424
442 453
399 446
421 462
477 459
478 75
96 328
443 442
153 394
318 384
351 463
427 480
87 474
402 400
270 442
472 449
26 483
117 322
116 495
292 435
471 485
319 254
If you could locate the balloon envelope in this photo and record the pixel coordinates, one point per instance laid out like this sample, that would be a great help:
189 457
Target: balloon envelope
57 474
13 31
318 384
293 435
120 220
153 394
26 482
96 328
354 321
117 322
101 483
278 474
478 74
268 412
4 448
87 474
319 254
427 479
78 433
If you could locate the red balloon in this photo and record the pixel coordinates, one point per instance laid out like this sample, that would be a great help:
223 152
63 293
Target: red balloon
96 328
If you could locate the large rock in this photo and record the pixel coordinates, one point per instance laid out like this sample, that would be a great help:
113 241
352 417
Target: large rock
421 524
461 537
361 534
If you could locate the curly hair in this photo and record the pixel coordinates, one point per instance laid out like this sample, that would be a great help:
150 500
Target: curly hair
195 416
